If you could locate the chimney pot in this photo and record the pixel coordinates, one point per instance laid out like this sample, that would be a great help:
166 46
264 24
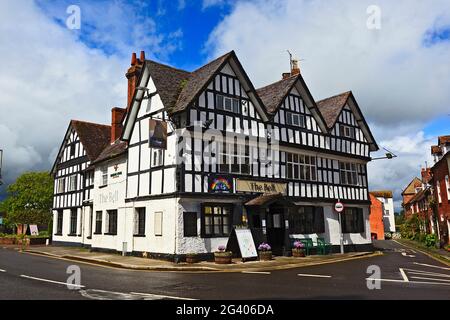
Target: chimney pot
133 59
142 58
295 67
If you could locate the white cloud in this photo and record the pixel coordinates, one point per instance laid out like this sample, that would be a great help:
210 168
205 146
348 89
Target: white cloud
399 83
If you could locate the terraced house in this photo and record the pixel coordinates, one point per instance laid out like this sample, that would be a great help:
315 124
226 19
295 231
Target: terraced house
196 154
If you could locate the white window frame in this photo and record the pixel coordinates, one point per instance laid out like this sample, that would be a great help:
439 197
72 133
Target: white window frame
295 119
350 170
61 185
234 153
447 186
228 103
158 223
73 182
347 131
438 190
301 167
104 172
158 158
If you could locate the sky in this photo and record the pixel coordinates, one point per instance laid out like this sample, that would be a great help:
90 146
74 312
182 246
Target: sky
395 58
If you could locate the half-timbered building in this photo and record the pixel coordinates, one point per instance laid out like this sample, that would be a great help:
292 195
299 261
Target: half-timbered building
270 159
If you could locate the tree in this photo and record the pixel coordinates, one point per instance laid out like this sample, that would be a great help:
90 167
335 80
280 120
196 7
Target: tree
29 199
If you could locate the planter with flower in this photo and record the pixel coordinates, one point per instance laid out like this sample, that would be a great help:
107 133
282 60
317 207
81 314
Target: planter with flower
222 256
265 252
192 258
299 249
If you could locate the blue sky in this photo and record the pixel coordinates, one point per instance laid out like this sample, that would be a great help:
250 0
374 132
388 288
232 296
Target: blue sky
399 74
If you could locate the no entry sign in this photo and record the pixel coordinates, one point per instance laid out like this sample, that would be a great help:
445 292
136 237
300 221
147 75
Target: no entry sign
339 207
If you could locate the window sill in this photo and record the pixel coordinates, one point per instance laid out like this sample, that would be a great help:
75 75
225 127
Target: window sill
110 234
139 235
58 234
89 238
104 186
72 235
97 233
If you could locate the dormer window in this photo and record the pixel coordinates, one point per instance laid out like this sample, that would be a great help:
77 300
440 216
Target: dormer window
347 131
227 104
295 119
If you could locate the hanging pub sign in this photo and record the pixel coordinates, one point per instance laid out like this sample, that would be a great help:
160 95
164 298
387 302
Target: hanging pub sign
157 134
220 183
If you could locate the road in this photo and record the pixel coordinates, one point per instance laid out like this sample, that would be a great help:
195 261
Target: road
405 274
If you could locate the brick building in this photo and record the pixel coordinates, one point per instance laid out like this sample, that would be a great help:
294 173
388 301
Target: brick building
440 182
376 218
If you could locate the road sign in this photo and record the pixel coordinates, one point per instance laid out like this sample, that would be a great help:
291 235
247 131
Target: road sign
339 207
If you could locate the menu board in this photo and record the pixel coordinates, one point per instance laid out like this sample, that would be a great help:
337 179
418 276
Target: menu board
246 243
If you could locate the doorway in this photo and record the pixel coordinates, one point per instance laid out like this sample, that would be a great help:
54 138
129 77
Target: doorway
275 229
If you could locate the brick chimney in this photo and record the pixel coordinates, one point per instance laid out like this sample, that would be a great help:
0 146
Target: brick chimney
295 70
133 74
426 175
117 115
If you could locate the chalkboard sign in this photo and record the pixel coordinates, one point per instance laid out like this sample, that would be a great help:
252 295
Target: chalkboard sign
242 240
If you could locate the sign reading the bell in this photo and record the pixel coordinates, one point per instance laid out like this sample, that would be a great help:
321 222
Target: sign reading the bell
157 134
260 186
220 183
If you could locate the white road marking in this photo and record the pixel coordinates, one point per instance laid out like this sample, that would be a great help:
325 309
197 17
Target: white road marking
425 273
405 278
256 272
313 275
410 282
429 265
1 270
52 281
424 278
160 296
408 255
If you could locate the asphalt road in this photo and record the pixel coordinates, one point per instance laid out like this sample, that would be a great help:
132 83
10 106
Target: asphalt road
404 274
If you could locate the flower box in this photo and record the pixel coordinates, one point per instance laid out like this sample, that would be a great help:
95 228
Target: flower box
223 257
298 253
191 258
265 255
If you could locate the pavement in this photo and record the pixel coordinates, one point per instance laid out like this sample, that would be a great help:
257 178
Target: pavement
399 273
137 263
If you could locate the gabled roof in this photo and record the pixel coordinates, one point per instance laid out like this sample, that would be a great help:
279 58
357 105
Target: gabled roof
198 80
274 94
168 81
94 137
331 107
112 151
411 188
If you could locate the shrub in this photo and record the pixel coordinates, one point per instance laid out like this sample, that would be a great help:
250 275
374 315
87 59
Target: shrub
431 240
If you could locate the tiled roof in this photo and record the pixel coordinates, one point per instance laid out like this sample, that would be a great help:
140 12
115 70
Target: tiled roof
444 140
197 81
112 151
273 94
382 193
411 188
94 137
168 81
331 107
436 150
